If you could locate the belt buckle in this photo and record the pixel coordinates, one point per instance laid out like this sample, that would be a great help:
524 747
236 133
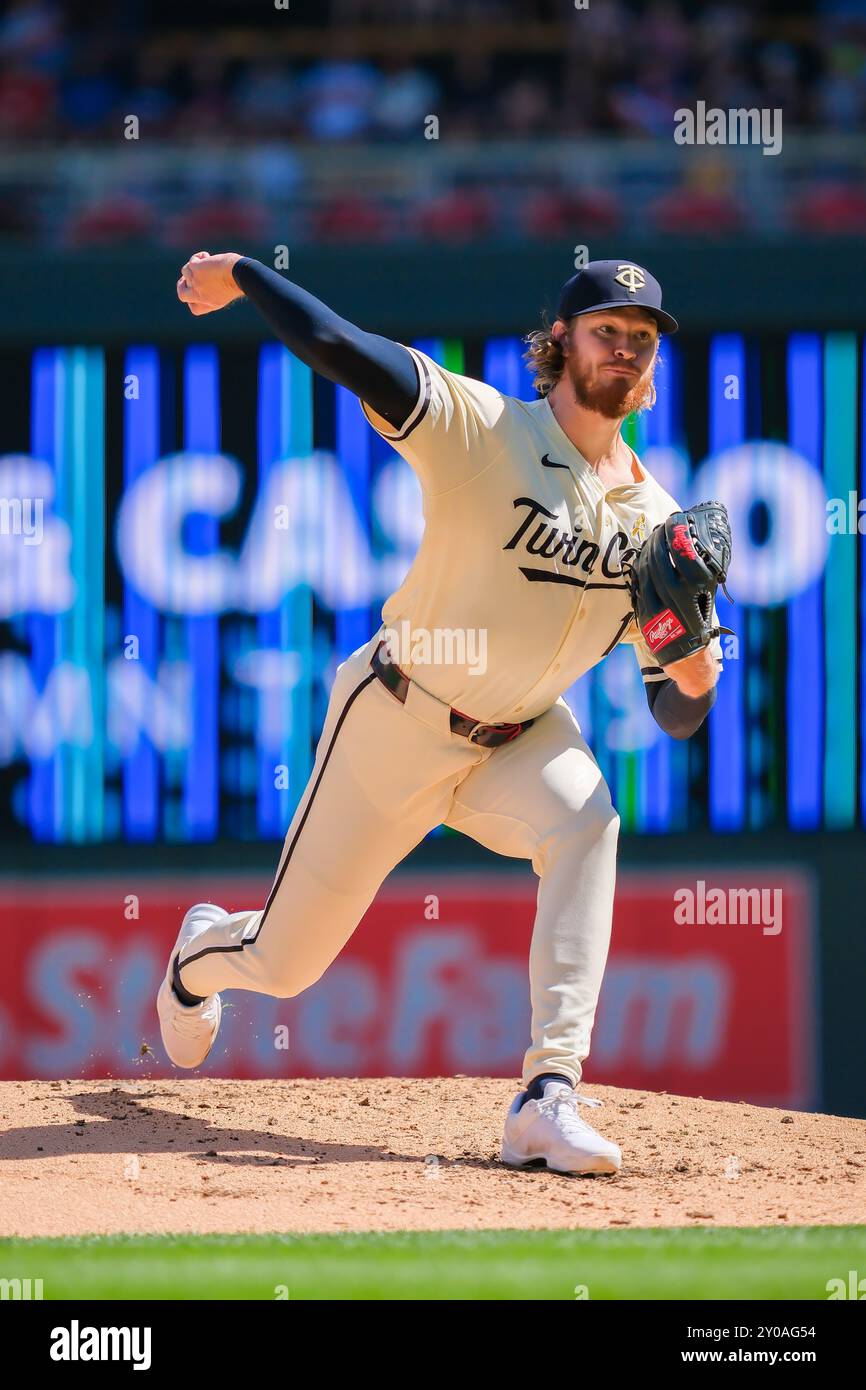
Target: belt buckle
509 730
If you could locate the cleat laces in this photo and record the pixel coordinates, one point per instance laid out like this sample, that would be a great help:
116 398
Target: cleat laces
563 1107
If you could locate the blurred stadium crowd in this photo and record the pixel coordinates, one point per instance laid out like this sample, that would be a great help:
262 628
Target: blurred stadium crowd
299 92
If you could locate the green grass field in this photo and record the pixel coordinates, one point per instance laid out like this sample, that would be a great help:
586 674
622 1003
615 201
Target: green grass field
694 1263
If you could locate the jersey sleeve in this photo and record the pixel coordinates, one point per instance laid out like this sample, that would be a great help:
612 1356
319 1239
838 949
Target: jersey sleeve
454 431
649 668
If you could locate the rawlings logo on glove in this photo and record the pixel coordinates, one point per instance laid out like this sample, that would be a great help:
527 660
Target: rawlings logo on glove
674 580
662 629
681 541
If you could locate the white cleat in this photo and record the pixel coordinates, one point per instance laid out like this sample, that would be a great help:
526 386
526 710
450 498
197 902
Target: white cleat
189 1032
552 1130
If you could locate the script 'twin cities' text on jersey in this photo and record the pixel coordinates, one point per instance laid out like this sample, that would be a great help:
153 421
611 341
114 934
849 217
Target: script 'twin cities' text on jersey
521 542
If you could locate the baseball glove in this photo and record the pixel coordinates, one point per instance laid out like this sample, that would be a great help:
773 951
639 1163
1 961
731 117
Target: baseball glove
674 578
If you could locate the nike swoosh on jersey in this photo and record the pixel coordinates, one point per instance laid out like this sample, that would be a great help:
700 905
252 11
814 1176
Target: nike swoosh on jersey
547 462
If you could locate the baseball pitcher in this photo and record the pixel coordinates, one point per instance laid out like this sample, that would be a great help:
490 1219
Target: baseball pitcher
545 534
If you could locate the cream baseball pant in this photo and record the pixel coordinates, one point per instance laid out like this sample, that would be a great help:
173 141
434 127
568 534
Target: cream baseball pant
387 773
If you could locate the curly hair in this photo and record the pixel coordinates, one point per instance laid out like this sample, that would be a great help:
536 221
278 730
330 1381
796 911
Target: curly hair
544 357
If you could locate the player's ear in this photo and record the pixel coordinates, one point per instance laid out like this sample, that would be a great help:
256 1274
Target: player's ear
559 332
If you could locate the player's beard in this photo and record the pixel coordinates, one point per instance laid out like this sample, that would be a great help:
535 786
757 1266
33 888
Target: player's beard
614 398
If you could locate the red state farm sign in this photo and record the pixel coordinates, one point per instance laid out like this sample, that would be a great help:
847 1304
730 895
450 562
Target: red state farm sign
708 988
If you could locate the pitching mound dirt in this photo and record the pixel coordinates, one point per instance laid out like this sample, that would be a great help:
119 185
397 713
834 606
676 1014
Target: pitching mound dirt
354 1155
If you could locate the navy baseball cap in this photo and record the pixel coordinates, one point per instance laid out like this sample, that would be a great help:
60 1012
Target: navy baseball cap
613 285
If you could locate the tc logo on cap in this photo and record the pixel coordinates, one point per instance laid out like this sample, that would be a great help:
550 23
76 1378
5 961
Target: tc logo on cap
631 276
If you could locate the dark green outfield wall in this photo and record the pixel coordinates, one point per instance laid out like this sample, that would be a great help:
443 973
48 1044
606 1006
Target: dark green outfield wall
54 297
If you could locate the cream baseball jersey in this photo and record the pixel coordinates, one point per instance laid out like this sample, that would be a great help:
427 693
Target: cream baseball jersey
521 563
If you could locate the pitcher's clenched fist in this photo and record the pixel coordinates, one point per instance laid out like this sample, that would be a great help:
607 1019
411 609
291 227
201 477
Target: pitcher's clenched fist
206 282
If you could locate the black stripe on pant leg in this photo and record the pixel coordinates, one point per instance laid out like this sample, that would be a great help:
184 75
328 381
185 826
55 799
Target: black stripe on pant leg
339 724
218 950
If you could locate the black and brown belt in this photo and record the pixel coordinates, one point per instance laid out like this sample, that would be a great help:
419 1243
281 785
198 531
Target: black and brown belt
485 735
